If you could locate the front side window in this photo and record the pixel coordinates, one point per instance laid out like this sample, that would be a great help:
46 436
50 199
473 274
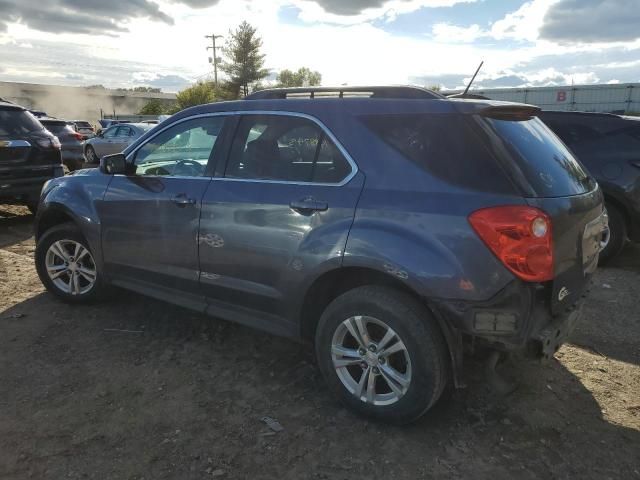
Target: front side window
183 150
285 148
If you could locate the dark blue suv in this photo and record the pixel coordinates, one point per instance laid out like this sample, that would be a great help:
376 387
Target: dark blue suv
390 226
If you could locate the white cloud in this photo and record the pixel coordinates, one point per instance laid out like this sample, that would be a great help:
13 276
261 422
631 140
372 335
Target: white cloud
524 23
312 12
447 33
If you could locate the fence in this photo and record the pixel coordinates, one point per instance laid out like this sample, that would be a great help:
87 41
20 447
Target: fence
618 98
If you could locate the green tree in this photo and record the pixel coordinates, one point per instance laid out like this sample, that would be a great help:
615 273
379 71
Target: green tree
244 63
304 77
152 107
196 94
435 88
203 92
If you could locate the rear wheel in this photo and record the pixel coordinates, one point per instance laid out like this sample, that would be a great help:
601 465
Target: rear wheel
66 265
382 354
618 234
90 155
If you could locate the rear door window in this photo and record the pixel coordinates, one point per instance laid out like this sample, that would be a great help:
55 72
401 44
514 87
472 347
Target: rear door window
536 155
285 148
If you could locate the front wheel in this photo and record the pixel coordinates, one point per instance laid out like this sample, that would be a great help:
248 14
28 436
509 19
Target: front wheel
66 265
382 354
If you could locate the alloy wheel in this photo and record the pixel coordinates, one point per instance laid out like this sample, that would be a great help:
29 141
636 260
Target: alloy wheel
371 360
71 267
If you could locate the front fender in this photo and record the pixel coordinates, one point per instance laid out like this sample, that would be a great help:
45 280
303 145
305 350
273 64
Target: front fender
75 197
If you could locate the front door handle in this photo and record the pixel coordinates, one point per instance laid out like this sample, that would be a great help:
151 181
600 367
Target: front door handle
182 200
308 205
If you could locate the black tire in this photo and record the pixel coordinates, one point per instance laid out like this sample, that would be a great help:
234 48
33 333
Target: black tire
90 155
618 238
415 327
68 232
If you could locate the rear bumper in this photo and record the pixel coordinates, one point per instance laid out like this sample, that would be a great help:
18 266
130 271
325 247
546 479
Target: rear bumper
26 190
518 319
551 337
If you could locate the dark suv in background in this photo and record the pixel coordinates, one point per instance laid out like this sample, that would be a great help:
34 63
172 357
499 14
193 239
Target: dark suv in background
609 146
389 226
29 156
71 141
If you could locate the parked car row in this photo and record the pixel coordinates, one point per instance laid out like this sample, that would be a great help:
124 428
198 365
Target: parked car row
30 155
34 147
393 229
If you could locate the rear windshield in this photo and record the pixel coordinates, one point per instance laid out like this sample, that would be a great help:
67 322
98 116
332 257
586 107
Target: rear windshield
83 125
16 122
55 127
448 146
537 157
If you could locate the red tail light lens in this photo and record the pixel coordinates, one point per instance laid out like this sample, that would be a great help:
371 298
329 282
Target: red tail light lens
49 142
78 136
520 237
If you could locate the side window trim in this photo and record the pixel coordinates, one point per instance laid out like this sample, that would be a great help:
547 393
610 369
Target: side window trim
232 124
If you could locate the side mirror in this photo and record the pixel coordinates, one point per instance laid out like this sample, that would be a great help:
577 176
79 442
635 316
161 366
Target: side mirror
113 164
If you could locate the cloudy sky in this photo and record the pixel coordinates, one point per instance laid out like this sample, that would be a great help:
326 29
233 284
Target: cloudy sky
160 43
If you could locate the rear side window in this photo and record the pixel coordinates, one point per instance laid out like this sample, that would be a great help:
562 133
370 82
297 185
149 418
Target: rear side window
445 145
538 157
15 122
285 148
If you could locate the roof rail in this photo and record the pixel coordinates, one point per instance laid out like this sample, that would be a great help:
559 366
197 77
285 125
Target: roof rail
399 92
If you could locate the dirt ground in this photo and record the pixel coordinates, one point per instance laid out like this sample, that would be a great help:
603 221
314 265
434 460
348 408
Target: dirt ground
181 396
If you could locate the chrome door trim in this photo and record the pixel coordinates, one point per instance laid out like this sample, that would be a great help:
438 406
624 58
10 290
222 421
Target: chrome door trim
343 151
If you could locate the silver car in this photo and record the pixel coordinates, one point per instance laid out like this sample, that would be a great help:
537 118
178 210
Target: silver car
113 140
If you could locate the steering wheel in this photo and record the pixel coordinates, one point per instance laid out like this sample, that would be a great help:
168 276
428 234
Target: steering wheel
188 167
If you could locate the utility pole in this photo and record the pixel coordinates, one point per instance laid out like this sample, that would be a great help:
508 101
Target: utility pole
213 37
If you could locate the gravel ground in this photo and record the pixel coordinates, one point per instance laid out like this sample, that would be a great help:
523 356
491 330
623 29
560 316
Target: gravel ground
178 395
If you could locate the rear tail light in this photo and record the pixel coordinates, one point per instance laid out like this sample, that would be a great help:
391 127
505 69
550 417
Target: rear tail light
520 237
78 136
49 142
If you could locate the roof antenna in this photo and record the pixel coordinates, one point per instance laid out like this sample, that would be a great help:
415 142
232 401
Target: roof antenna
466 90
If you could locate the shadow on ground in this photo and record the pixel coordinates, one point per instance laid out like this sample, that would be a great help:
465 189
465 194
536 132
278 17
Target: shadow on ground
16 225
135 388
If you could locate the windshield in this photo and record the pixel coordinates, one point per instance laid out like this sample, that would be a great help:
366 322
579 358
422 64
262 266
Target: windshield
16 122
536 156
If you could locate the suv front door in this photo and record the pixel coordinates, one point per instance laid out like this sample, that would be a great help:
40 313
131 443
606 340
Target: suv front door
150 217
275 217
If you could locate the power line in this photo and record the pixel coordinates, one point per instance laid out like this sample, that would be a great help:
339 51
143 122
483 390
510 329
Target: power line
213 37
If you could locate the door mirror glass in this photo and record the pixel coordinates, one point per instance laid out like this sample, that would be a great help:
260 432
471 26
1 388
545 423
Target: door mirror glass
113 164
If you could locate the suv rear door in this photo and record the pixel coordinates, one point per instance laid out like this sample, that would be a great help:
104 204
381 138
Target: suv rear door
276 216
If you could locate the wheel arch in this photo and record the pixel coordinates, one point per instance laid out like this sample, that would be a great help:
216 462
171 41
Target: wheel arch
333 283
620 206
51 216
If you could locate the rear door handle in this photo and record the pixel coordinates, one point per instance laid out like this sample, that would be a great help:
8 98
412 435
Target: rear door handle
308 205
182 200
